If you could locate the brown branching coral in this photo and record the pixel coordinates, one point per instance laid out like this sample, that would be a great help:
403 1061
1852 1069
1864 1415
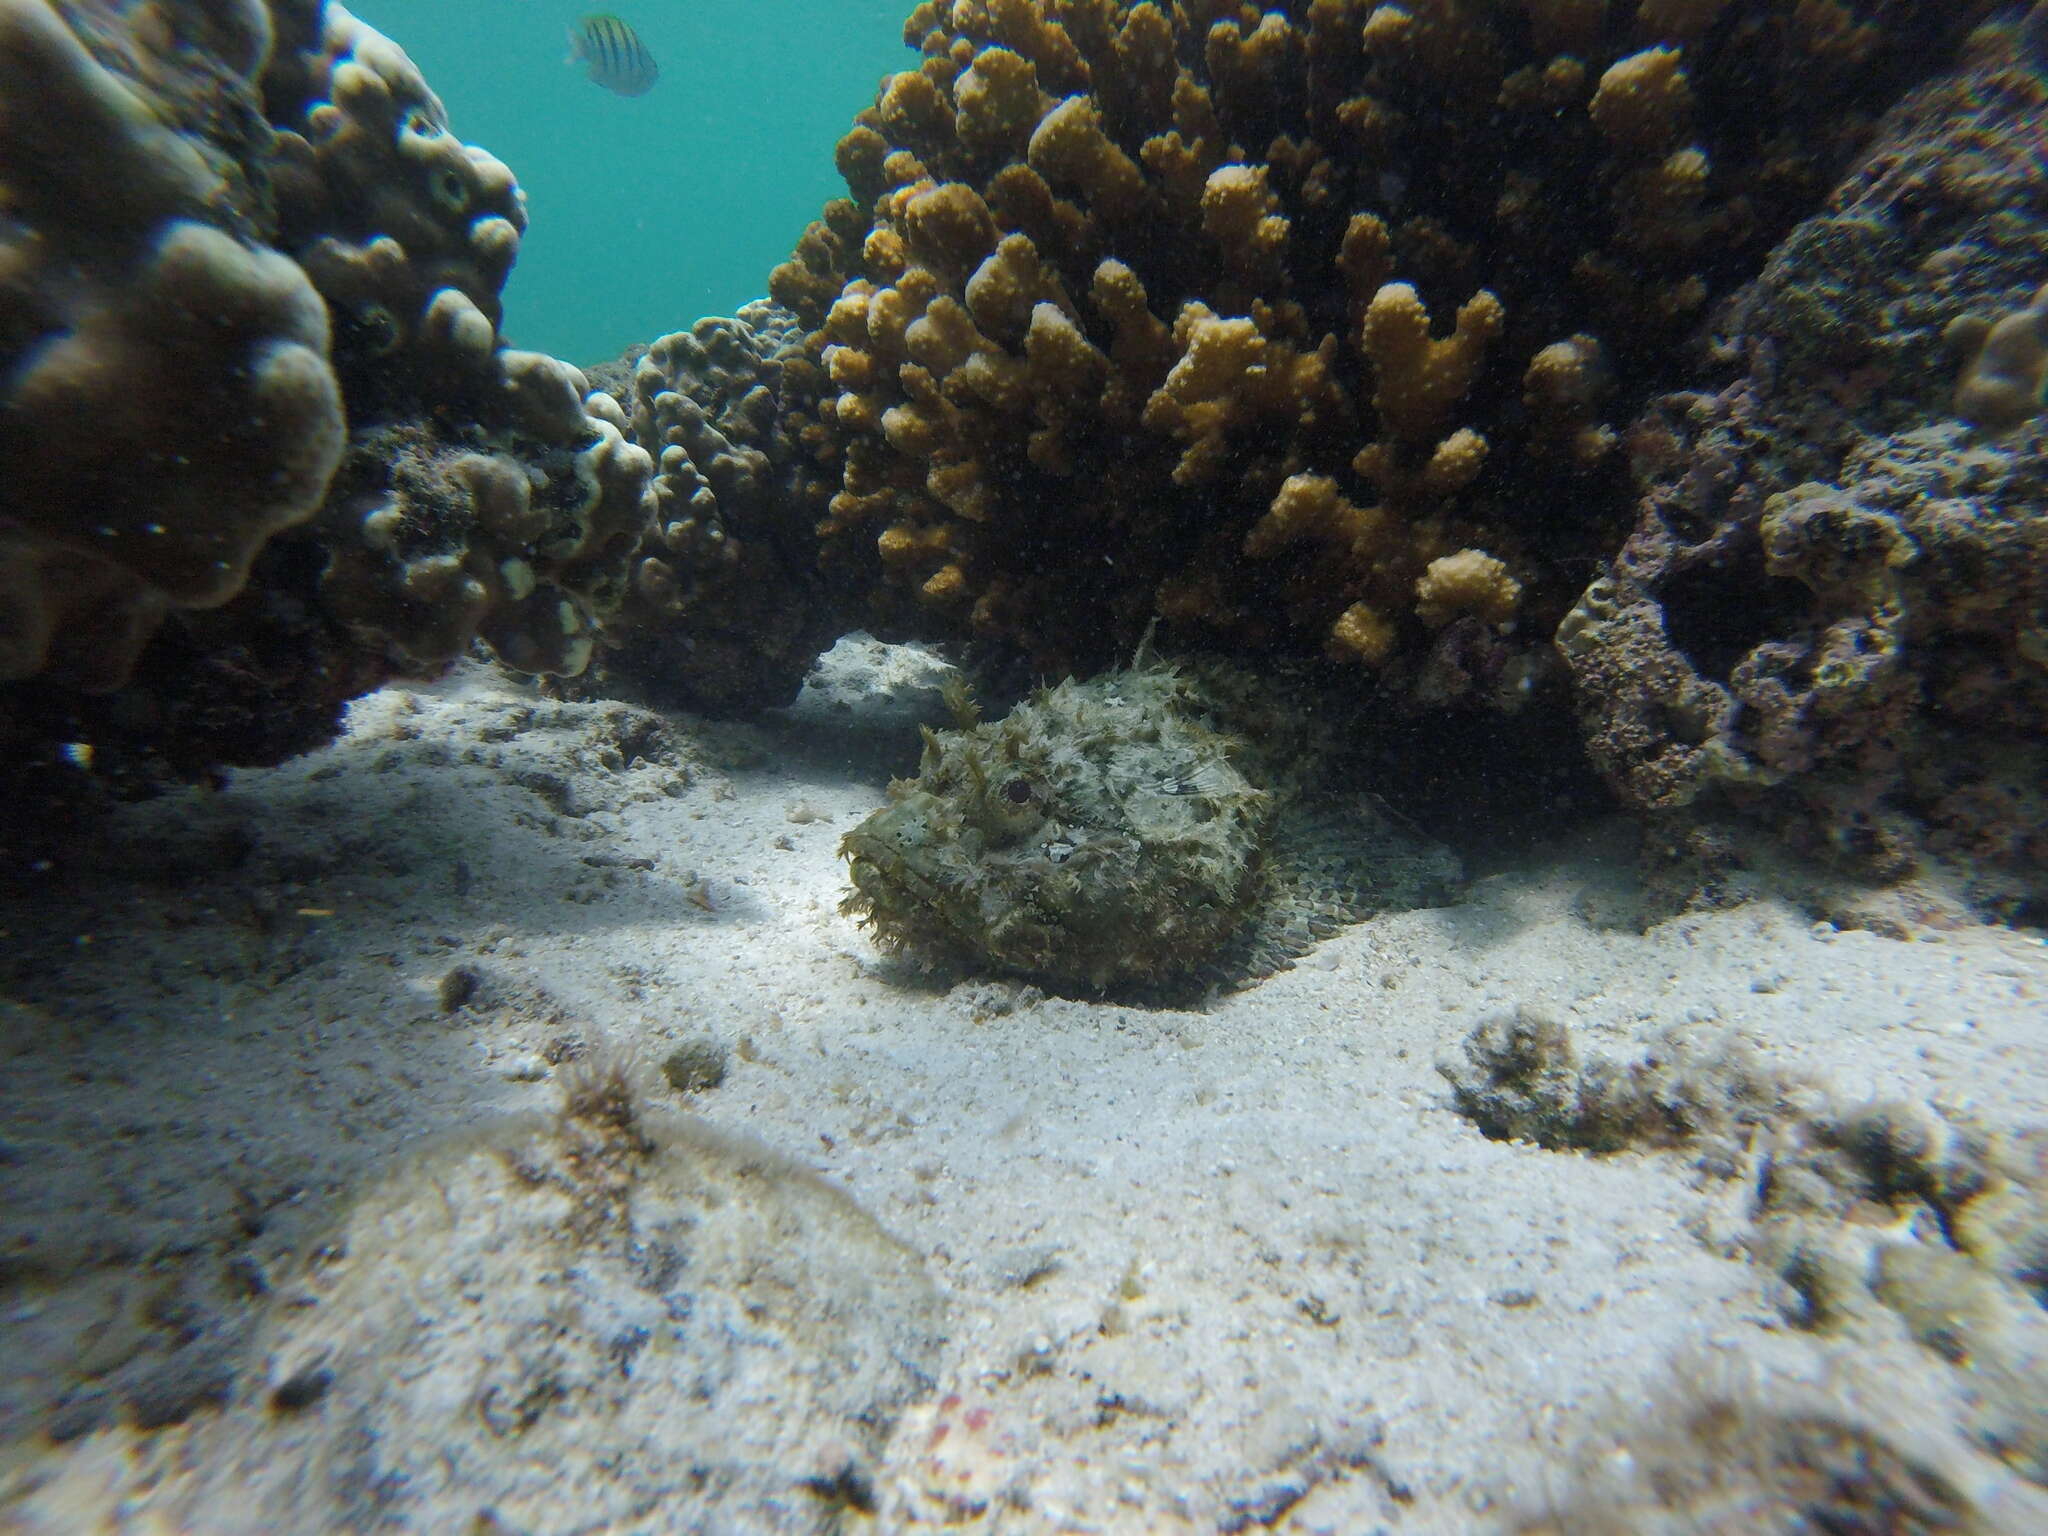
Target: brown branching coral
1301 329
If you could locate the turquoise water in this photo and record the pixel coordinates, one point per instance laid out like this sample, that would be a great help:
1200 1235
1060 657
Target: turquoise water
650 212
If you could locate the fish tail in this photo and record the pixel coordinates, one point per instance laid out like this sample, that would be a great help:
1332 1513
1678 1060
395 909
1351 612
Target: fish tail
575 53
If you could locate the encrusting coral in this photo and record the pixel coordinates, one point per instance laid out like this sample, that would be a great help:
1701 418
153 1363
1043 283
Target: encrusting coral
1249 322
1833 610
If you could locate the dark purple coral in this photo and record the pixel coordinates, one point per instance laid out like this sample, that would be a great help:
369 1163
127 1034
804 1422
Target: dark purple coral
1834 605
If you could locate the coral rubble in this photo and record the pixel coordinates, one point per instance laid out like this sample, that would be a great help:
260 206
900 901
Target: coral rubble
1760 1456
1875 1219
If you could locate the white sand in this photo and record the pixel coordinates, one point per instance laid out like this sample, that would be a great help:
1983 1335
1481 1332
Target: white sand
1236 1268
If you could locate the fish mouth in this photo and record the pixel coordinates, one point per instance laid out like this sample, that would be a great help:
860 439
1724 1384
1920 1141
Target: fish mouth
888 892
873 883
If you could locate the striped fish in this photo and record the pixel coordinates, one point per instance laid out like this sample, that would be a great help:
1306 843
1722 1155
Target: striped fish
614 54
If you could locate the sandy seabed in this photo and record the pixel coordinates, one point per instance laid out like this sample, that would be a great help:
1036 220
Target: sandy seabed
298 1234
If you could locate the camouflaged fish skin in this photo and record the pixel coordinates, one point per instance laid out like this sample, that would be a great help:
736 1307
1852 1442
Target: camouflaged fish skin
1113 834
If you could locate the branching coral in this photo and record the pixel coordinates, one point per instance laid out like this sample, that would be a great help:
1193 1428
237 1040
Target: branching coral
1138 311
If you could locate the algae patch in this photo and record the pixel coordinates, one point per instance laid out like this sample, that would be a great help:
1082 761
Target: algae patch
1145 829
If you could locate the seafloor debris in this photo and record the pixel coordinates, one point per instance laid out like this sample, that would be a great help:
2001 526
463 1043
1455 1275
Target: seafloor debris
1765 1459
1522 1079
1127 832
1872 1218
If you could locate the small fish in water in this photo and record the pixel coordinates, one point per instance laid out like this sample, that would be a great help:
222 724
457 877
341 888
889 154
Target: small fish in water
616 57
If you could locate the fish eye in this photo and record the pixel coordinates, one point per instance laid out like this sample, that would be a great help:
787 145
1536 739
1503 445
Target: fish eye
1017 792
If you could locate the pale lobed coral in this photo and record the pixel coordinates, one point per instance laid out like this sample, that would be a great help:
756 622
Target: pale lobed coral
194 442
480 498
256 401
2006 378
408 233
167 403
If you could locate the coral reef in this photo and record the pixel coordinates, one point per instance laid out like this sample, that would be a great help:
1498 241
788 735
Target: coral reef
167 404
1832 607
1147 829
1312 332
257 405
1301 331
726 609
479 498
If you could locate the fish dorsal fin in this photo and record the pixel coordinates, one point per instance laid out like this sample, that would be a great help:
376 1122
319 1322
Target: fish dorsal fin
960 702
1145 647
